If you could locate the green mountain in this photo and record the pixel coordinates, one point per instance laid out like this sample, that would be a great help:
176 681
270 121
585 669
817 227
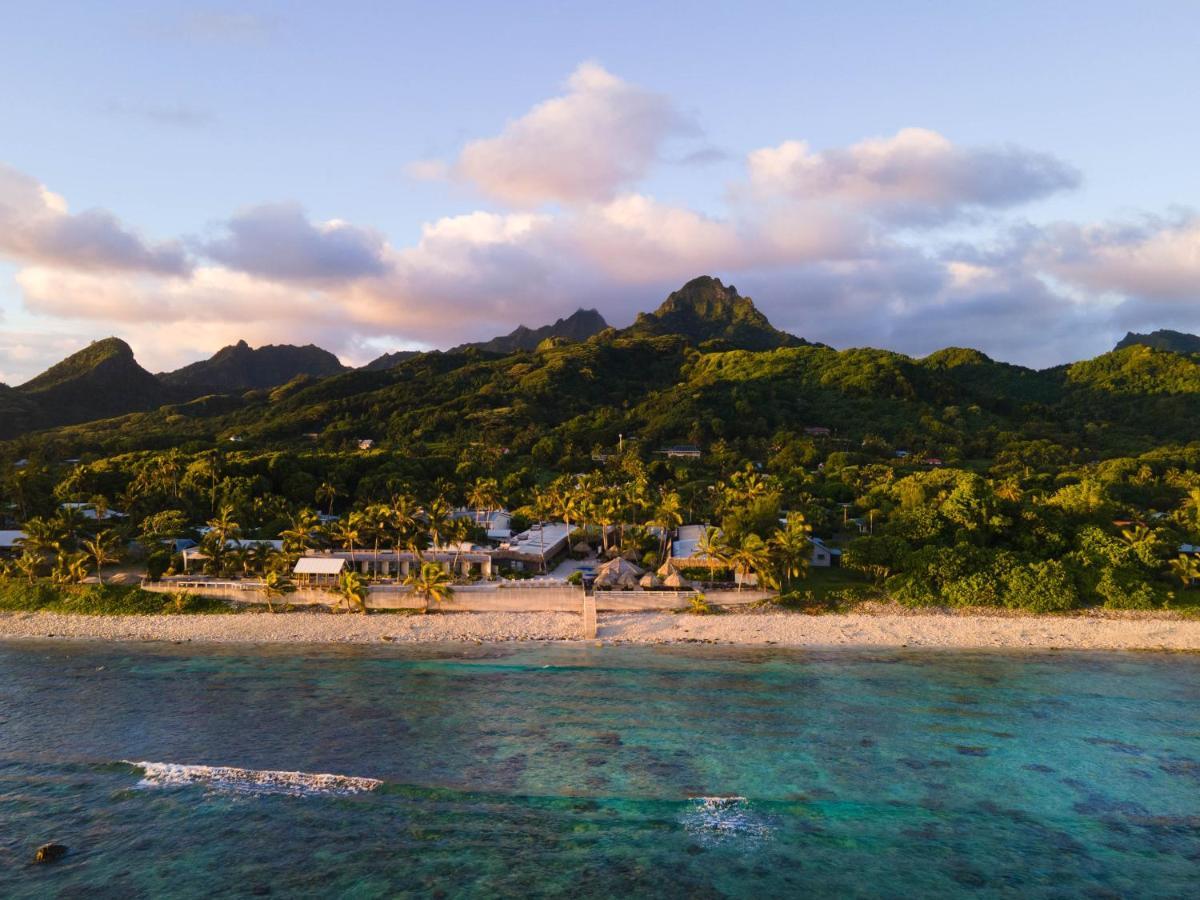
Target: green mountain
704 310
240 368
579 326
99 381
389 360
1163 339
705 367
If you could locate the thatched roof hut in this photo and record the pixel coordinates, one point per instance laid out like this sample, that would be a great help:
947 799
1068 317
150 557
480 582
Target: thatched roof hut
675 580
582 547
618 573
650 580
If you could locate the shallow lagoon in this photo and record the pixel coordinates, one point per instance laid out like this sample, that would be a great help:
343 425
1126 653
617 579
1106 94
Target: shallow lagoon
586 771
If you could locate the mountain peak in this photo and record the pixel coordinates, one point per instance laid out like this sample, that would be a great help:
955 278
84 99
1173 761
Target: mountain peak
578 326
239 367
704 309
1163 339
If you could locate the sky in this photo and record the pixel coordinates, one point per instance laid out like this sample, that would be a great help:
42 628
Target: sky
1016 177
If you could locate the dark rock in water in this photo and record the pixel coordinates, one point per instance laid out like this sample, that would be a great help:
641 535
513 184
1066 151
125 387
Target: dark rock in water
48 853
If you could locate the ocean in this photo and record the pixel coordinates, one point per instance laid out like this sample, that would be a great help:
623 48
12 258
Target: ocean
582 771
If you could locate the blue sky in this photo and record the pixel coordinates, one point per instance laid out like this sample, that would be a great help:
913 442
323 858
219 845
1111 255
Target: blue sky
184 122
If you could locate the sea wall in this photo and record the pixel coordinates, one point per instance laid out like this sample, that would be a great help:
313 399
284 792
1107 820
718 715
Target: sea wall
511 597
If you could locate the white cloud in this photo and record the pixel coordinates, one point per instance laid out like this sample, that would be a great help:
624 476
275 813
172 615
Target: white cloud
915 177
587 145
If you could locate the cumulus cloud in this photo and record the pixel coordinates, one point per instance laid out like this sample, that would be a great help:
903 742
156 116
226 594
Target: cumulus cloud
915 177
824 241
598 138
1155 259
36 226
278 241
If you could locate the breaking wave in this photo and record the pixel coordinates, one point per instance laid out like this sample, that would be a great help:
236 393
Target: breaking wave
251 781
722 818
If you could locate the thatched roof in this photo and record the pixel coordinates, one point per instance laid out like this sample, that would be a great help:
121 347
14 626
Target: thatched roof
675 580
582 547
650 580
618 573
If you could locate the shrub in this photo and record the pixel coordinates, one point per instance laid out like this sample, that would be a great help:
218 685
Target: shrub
1124 590
1040 587
575 577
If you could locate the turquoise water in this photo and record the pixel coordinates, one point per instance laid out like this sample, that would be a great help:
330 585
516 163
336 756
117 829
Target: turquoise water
582 771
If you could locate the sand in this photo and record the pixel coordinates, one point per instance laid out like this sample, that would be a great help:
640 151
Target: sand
879 629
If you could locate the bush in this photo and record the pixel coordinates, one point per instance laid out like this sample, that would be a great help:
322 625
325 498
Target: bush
102 600
1041 587
1124 590
575 577
801 601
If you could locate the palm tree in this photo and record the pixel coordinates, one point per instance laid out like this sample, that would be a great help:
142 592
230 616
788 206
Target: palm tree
790 547
437 519
484 495
1186 568
430 582
103 551
327 493
70 569
750 556
71 523
714 548
277 586
42 537
348 531
667 517
353 589
303 533
378 519
28 564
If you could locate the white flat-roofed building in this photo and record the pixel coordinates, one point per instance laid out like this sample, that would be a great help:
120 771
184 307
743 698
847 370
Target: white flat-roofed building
10 542
497 522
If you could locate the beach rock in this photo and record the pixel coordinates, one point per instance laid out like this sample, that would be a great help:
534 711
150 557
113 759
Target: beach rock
48 853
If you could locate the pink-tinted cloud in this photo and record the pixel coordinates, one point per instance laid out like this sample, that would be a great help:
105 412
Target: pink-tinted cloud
915 177
36 226
587 145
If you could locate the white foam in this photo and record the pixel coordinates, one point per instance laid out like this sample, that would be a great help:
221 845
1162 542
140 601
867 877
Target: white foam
720 818
256 781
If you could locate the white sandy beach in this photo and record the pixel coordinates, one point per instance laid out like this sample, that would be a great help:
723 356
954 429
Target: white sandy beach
881 629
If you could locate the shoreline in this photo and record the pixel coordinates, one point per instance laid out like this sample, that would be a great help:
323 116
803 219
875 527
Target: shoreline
778 629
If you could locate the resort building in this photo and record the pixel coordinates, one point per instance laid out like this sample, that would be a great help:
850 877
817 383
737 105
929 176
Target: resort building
10 542
681 451
89 511
497 522
685 551
534 550
824 556
195 554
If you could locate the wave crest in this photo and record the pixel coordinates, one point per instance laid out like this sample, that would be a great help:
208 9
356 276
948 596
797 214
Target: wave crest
721 818
255 781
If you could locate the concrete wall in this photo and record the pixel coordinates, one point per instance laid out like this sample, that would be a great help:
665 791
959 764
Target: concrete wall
477 598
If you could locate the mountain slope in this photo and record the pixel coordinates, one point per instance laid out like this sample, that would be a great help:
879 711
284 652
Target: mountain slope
99 381
389 360
240 368
579 326
1163 339
705 310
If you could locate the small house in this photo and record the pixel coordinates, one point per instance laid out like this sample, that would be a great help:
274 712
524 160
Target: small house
681 451
824 556
10 542
816 431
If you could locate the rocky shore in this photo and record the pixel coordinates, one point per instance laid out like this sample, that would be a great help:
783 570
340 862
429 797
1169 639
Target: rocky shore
873 629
